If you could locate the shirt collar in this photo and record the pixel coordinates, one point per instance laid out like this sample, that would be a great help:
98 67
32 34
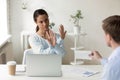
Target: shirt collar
115 53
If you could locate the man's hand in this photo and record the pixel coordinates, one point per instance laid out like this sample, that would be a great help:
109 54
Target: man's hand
95 55
51 37
62 32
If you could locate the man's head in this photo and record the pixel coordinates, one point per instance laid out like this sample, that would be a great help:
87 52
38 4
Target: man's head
111 27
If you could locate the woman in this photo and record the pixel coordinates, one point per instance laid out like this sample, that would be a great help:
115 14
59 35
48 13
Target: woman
45 41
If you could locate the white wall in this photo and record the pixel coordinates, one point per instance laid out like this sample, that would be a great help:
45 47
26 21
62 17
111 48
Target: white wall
94 11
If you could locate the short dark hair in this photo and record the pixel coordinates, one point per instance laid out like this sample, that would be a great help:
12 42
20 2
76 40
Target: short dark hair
111 25
37 13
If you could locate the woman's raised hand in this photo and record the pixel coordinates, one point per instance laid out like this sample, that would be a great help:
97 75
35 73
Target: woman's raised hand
62 32
51 37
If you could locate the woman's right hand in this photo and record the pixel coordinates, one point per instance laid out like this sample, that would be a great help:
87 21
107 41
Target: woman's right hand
51 38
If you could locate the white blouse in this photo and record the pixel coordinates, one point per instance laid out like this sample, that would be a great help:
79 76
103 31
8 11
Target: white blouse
41 45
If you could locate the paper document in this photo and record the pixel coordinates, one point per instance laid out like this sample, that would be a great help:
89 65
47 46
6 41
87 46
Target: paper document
20 68
80 71
82 54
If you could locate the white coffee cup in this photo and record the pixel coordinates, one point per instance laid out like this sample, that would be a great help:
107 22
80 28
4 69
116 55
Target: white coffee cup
11 67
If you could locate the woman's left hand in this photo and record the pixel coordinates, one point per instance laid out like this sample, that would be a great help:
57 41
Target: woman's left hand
62 32
51 37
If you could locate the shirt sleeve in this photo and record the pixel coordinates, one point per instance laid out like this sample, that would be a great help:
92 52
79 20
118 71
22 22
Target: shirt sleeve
60 41
104 61
38 47
59 48
111 72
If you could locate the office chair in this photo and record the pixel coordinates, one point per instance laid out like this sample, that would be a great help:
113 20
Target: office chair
27 51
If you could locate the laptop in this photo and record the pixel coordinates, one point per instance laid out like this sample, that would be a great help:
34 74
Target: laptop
43 65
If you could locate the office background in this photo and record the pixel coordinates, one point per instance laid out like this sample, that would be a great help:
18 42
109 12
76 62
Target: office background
93 11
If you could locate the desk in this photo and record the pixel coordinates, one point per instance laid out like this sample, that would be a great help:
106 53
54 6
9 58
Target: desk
66 76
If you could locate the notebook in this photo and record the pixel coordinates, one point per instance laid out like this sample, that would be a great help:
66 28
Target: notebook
43 65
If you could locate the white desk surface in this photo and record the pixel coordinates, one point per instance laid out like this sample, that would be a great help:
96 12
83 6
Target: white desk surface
66 75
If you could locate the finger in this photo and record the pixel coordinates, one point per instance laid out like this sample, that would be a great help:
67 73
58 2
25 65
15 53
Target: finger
47 33
91 54
48 36
65 32
96 52
60 30
62 27
52 34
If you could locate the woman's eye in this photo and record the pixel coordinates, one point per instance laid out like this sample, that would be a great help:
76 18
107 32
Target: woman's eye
46 20
41 21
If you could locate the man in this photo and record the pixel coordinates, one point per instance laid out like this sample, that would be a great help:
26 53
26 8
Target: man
111 27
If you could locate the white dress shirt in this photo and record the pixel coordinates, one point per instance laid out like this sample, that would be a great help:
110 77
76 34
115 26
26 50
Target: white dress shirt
111 70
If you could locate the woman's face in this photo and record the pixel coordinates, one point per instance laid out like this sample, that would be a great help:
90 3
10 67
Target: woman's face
42 22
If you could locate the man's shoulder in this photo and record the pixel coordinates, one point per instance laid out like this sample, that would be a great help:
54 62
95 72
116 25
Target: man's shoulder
114 64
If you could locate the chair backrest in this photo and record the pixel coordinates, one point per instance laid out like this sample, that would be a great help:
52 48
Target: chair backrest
24 40
27 51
